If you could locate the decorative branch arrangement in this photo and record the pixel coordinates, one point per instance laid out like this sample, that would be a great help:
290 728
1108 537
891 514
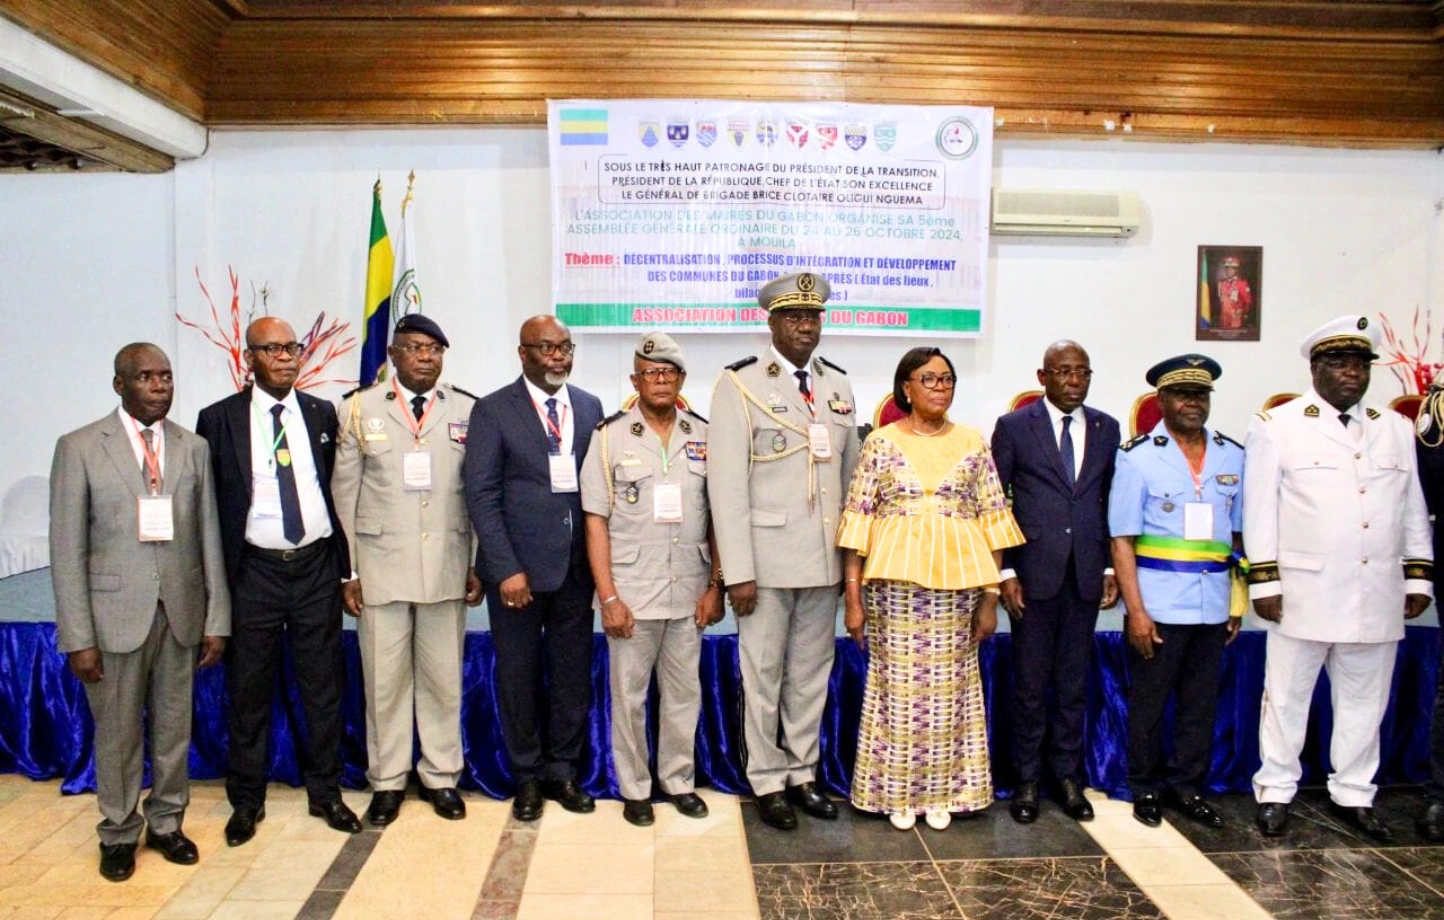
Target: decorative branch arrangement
1411 366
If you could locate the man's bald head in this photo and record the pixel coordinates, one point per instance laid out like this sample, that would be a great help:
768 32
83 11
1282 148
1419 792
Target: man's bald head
273 355
1065 375
143 382
545 349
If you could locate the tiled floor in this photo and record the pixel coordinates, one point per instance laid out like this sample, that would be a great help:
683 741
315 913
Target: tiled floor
728 866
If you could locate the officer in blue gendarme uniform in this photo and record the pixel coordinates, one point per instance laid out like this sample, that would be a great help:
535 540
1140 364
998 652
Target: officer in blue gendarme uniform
1176 515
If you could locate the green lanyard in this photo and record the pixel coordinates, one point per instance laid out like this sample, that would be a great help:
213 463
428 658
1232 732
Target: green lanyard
261 420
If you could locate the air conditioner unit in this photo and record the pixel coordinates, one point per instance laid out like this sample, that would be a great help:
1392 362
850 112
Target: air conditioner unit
1043 212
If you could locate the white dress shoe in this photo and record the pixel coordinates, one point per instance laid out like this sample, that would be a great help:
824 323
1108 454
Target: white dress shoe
938 819
903 822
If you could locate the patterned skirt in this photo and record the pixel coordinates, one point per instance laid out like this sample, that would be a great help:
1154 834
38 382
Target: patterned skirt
923 742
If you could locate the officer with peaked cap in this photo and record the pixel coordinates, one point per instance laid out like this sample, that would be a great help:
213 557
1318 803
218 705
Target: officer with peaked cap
644 494
1176 515
1338 538
783 444
398 493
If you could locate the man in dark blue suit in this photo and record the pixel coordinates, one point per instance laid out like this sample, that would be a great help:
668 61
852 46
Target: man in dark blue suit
525 443
1055 458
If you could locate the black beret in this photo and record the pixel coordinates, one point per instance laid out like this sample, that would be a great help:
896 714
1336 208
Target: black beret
423 324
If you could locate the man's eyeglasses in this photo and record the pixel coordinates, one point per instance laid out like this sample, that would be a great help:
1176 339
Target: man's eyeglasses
660 374
1345 362
423 348
795 318
1063 373
274 349
547 349
937 381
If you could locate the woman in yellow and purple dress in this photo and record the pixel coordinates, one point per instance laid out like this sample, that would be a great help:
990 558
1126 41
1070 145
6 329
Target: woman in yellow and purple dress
924 529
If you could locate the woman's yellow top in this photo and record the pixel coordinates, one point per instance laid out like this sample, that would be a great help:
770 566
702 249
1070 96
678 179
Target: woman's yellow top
928 510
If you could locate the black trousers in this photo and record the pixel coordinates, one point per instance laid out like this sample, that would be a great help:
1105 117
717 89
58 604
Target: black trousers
1434 788
275 602
1052 646
1186 665
544 724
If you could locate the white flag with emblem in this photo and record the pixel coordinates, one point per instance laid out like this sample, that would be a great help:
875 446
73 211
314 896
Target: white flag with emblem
406 294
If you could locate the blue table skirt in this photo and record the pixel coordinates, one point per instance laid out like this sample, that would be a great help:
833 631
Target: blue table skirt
45 725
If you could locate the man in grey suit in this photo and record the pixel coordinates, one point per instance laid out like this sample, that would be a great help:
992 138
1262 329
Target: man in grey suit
397 489
782 447
135 558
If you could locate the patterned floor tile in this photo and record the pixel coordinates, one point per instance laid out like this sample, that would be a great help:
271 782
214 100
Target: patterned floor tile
853 891
1078 887
854 837
1335 883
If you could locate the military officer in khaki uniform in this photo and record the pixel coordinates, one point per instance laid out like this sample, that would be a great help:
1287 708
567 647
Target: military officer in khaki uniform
644 492
398 493
782 447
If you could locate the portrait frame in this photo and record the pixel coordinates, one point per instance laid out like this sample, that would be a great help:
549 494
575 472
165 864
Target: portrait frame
1229 306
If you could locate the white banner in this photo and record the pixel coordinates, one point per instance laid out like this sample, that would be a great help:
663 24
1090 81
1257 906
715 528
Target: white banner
672 213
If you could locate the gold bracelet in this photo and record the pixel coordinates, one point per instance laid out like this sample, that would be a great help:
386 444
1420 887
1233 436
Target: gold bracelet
993 591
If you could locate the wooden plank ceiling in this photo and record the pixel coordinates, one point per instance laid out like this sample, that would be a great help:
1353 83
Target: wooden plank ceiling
1368 73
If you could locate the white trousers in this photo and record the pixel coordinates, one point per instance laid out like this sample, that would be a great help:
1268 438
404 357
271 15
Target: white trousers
673 648
1360 675
411 658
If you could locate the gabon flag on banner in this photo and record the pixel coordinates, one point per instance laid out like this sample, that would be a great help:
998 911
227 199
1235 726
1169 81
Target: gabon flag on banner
380 276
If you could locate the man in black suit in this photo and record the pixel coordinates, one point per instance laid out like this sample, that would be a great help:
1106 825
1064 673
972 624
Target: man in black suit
272 448
1055 458
525 443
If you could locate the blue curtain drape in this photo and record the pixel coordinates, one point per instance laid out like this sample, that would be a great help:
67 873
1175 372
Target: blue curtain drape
45 726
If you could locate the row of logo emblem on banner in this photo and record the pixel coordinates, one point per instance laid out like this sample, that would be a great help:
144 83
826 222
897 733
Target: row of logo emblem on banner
765 131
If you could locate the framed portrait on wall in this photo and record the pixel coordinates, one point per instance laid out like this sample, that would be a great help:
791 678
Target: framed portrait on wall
1230 294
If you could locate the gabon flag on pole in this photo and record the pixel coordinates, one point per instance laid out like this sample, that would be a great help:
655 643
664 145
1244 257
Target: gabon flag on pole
380 268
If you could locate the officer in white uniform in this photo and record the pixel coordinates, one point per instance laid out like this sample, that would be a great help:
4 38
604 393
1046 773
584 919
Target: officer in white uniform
1337 532
644 493
782 447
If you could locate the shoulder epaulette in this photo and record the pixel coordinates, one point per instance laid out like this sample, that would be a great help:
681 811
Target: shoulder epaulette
738 365
1263 415
1134 442
831 365
611 418
1372 413
697 415
1311 411
352 392
1219 437
452 386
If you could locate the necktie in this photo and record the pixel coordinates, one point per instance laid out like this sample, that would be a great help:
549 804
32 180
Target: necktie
148 436
1065 451
291 524
802 386
418 407
1344 419
554 428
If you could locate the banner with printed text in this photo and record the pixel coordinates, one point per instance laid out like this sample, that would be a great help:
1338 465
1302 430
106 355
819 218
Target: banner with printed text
672 213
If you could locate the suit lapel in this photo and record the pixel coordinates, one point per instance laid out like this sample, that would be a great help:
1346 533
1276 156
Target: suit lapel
177 458
238 416
525 409
1042 425
116 441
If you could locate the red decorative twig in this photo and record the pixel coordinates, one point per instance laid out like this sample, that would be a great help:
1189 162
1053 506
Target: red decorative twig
1410 365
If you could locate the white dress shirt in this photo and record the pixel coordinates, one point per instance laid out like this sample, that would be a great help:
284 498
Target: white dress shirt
269 532
133 429
563 397
1078 431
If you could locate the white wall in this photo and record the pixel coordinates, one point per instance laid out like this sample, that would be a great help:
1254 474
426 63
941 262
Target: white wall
92 262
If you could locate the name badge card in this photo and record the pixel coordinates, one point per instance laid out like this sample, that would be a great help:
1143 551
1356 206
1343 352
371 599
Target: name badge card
266 498
416 470
564 473
667 503
1197 521
819 441
156 524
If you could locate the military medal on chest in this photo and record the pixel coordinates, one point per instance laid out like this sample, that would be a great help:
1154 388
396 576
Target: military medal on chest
779 443
631 495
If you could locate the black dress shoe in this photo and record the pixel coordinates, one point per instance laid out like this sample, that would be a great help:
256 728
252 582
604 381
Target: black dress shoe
338 816
242 826
1272 818
811 800
385 806
1075 803
1193 807
690 804
638 812
1431 823
445 802
1148 809
1024 806
117 861
774 811
1362 820
175 847
527 806
567 794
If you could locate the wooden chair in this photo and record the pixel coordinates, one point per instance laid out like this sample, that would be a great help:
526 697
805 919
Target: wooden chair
1025 398
1407 405
1278 399
1145 414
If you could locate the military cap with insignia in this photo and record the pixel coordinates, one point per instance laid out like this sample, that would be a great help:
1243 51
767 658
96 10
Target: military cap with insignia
1346 335
798 291
1190 371
423 325
660 347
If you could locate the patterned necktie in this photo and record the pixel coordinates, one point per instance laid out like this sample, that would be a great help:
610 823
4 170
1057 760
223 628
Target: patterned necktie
151 486
418 407
802 386
554 428
1065 451
291 524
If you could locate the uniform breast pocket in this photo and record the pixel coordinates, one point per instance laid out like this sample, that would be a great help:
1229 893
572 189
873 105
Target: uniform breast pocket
1314 464
628 484
1389 465
769 441
377 449
698 486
